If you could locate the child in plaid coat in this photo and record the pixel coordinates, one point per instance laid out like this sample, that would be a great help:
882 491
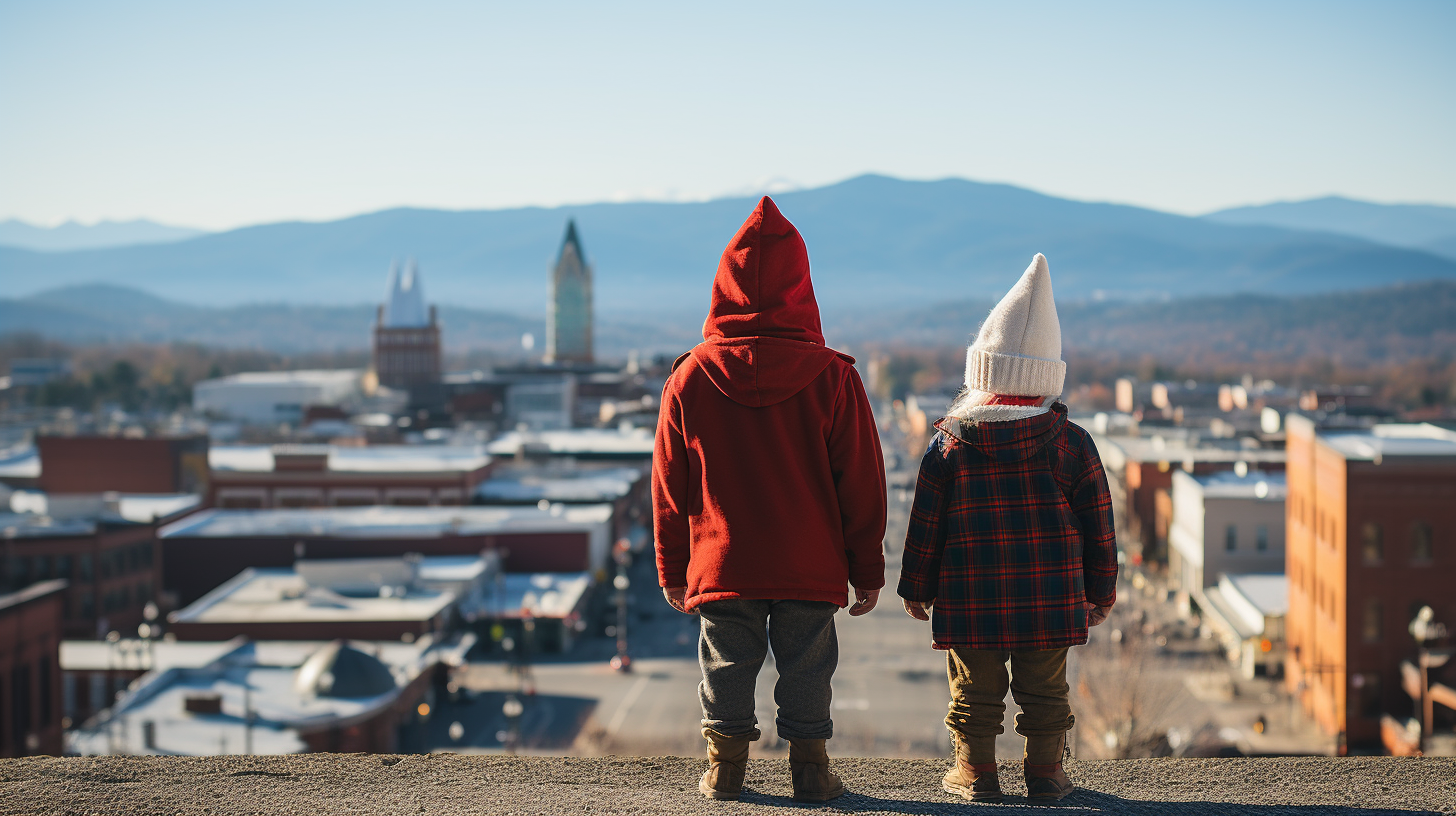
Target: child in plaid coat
1010 551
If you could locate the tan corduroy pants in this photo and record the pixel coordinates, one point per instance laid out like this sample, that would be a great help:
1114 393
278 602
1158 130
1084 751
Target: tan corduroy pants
978 684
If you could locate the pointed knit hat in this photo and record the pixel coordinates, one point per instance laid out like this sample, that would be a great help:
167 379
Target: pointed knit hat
1019 348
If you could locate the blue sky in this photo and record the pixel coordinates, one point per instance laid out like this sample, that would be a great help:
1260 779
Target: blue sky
224 114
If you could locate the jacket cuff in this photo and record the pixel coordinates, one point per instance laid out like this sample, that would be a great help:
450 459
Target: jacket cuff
1103 600
914 591
868 581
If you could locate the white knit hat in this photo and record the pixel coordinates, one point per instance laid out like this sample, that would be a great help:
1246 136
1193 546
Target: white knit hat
1019 348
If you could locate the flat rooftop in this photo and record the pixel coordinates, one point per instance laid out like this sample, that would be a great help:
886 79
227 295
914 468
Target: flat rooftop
583 486
325 376
20 464
621 443
386 522
343 459
1270 486
1393 440
34 525
261 677
451 784
1176 447
281 595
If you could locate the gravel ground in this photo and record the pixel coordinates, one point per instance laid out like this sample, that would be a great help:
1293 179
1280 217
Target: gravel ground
316 784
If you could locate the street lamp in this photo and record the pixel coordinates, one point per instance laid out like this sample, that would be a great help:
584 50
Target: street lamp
1427 630
513 708
622 554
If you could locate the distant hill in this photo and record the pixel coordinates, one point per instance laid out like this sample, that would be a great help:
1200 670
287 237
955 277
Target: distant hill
72 236
1381 325
1414 226
874 242
1384 326
103 313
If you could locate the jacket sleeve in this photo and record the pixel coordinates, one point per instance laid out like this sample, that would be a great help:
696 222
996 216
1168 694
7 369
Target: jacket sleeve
859 479
671 493
925 538
1092 503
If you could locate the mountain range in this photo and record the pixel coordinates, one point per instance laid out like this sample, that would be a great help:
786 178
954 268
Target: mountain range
1386 326
874 242
104 234
1414 226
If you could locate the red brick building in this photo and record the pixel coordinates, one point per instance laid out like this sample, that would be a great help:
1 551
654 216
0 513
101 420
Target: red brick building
30 670
262 477
113 568
1370 518
406 335
102 464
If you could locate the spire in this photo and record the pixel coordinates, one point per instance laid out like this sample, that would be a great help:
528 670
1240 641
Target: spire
571 241
406 305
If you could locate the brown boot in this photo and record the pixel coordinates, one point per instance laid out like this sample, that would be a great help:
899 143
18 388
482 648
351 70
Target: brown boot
974 773
1045 779
727 761
809 765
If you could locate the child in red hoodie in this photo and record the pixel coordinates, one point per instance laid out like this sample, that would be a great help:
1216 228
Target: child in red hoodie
768 492
1011 544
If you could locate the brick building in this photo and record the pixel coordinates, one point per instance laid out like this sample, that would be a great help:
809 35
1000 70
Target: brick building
283 604
407 335
30 671
264 477
112 567
1370 518
208 548
102 464
1140 474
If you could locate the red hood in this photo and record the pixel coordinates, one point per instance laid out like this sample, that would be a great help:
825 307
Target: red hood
762 338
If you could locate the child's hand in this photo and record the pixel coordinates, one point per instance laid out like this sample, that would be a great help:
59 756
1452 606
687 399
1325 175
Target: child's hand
1096 614
676 598
918 610
864 601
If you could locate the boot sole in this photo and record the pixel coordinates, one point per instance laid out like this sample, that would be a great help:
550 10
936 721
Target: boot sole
818 800
974 796
721 796
1051 797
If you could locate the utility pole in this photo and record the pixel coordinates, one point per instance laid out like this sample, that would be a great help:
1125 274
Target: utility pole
247 717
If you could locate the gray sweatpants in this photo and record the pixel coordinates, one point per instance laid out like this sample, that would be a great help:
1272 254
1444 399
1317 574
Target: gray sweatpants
736 636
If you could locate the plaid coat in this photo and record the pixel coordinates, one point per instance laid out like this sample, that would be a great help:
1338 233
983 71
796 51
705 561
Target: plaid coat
1011 531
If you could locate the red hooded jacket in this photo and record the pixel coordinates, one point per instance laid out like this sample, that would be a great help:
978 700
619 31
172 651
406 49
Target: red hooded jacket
767 478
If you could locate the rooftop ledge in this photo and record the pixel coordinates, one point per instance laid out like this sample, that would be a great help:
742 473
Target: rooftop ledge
366 784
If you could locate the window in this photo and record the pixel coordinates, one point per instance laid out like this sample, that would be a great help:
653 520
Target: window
1374 616
88 605
19 572
1231 538
63 566
1373 540
84 571
19 706
42 567
1421 551
1261 538
1367 688
46 714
